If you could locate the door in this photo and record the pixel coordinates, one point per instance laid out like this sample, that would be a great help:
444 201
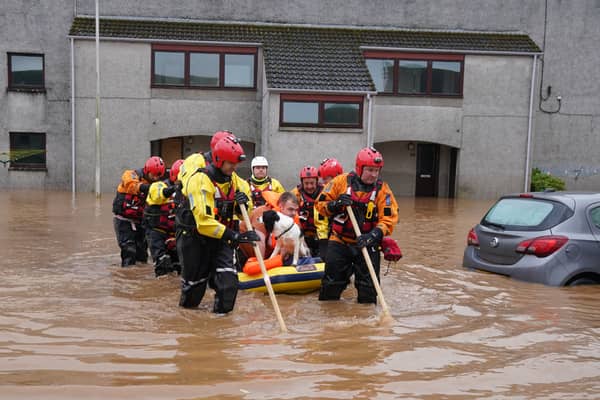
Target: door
428 158
171 150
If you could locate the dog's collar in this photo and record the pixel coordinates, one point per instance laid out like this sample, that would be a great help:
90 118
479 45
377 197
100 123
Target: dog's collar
286 231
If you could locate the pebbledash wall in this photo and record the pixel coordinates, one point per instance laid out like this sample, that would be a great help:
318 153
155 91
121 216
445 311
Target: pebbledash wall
488 126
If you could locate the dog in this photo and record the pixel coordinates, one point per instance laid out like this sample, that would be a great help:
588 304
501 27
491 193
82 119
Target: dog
288 236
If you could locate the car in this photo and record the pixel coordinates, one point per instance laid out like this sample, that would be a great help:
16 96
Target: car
546 237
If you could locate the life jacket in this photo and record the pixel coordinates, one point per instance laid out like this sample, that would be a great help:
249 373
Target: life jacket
162 216
364 208
130 206
257 197
306 211
224 202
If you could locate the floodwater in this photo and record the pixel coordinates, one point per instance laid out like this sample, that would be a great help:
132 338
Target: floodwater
74 324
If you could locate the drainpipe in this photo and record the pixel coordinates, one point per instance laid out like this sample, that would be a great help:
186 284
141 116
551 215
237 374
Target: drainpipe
73 115
529 122
369 117
98 136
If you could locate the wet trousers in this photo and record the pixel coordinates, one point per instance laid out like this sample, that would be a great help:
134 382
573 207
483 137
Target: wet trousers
132 241
206 261
343 260
163 254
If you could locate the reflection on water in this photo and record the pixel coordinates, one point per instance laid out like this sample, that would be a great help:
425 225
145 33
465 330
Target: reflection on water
73 324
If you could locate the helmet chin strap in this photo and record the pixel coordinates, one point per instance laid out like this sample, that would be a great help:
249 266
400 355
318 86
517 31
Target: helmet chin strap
256 180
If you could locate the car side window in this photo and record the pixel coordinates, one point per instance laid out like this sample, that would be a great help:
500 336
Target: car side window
595 216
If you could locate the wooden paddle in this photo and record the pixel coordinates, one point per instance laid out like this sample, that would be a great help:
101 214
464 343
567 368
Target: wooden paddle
365 252
263 269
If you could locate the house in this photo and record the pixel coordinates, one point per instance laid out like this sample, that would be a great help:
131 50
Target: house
452 110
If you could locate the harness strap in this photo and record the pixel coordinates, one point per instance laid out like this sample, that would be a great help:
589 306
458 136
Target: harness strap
284 232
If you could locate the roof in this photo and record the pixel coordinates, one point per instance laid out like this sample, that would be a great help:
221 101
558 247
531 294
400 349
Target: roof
308 57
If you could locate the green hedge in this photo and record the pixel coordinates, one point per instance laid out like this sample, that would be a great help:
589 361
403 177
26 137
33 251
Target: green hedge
541 181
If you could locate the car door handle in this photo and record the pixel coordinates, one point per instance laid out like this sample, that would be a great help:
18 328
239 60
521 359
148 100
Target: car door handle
424 176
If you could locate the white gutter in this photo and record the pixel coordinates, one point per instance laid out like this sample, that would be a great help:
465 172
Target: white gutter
483 52
369 119
73 115
319 91
529 123
150 40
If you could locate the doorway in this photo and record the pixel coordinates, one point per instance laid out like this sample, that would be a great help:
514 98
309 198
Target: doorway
428 162
171 150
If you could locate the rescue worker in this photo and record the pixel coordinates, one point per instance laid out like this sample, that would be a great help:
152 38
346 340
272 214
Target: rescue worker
207 235
376 211
329 169
128 209
260 181
307 192
161 203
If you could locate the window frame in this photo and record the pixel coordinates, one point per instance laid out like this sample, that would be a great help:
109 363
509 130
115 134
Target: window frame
321 100
15 166
25 88
220 50
427 57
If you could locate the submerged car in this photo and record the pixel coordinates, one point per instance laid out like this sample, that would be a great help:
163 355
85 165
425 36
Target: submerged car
546 237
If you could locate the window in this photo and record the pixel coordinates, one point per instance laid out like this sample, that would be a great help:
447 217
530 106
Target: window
382 72
25 71
526 214
595 215
203 67
321 111
27 150
416 74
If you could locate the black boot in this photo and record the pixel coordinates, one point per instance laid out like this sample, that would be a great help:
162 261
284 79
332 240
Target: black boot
163 265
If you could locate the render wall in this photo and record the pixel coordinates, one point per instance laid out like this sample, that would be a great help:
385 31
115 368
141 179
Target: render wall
567 141
488 126
568 31
133 114
25 27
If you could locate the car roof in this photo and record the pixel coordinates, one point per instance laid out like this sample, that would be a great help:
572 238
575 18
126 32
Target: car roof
569 198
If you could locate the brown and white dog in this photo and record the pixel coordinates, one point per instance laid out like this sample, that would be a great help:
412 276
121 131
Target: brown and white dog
289 238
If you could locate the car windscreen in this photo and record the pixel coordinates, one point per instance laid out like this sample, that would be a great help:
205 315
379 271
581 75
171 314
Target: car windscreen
525 214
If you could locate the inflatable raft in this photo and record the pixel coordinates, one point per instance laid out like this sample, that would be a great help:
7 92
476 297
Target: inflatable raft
303 278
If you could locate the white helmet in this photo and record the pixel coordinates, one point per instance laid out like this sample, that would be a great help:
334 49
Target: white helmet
259 161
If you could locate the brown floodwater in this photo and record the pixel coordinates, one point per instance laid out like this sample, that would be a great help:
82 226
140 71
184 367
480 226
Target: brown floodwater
74 324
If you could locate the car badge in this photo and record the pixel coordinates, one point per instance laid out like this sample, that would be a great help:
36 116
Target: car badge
494 242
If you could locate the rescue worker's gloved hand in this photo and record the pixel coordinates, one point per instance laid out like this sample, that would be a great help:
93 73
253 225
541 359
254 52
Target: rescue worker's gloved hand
169 190
248 237
370 239
234 238
144 188
339 205
241 198
178 185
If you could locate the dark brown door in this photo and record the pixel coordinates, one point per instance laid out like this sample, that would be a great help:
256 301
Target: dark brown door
428 158
171 150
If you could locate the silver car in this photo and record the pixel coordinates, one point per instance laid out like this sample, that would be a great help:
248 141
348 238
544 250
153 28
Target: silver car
547 237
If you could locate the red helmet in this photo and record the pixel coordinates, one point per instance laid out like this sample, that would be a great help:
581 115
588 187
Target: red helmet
308 171
175 170
228 149
330 167
155 166
217 137
368 157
